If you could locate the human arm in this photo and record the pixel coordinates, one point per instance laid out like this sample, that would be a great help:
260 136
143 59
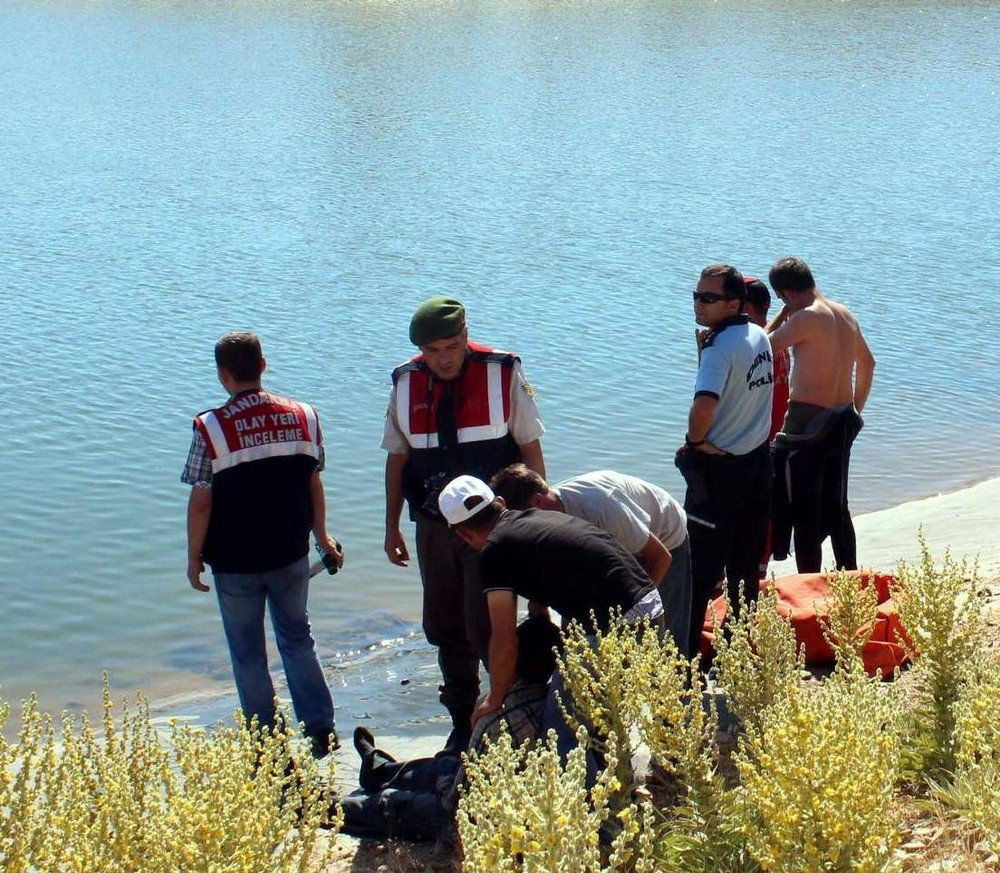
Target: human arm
787 330
531 454
779 319
502 605
199 511
864 362
700 418
524 422
395 545
318 497
656 558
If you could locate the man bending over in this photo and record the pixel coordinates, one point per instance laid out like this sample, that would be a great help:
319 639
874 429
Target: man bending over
641 516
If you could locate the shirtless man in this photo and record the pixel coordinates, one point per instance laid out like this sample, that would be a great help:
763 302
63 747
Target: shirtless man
829 386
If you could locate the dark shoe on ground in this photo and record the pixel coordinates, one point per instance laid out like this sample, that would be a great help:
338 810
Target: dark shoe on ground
364 742
457 742
324 742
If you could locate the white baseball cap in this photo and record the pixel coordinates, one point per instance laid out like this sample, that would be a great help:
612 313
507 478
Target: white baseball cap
462 498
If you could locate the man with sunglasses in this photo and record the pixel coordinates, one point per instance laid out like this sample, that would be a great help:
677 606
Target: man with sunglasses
725 457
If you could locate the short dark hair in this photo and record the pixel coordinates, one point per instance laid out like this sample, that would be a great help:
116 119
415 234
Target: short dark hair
517 484
791 274
757 293
239 353
482 520
537 640
732 280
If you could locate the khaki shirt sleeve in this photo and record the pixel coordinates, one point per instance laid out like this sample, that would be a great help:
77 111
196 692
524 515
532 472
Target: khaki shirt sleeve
525 423
393 440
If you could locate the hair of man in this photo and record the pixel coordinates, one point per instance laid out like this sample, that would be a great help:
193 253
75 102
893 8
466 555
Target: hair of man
732 280
240 354
484 519
517 484
537 640
791 274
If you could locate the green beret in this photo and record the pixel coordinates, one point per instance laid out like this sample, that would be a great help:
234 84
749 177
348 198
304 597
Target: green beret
435 319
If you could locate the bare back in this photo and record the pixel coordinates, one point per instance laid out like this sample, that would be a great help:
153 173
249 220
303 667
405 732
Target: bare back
826 342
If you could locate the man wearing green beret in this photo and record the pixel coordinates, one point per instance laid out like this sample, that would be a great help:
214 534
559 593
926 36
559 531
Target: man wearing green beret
456 407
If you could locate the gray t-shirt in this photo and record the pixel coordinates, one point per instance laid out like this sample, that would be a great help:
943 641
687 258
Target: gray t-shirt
736 368
628 508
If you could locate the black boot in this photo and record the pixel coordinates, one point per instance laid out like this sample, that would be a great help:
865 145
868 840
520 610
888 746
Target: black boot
323 742
461 732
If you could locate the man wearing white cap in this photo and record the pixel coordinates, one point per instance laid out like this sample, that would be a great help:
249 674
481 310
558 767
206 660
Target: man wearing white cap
549 558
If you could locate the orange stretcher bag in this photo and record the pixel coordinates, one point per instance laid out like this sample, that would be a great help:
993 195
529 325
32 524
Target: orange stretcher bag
802 598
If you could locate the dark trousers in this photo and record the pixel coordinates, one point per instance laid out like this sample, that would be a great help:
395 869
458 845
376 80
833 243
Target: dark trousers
728 504
817 486
454 616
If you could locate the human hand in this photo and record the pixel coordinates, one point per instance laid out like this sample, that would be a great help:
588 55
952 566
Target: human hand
395 548
486 706
331 546
699 339
709 449
195 568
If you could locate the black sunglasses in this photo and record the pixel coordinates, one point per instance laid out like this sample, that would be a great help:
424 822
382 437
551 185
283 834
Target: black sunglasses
703 297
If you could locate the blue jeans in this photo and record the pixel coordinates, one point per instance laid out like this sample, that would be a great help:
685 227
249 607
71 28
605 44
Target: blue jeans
675 589
241 600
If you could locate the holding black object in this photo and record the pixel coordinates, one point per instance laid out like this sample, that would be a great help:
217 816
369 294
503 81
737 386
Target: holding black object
327 560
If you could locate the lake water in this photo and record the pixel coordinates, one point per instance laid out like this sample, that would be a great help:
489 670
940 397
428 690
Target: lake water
172 170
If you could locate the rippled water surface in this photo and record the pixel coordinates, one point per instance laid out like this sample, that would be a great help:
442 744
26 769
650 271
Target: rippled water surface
169 171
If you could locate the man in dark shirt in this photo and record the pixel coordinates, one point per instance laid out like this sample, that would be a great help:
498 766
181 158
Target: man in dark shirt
549 558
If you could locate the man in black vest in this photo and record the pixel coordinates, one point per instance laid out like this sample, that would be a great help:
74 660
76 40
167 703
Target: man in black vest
254 467
457 407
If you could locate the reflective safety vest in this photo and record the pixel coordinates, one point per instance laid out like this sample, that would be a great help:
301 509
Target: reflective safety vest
482 412
264 449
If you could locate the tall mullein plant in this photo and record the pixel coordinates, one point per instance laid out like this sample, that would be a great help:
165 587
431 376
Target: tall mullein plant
941 610
757 663
975 790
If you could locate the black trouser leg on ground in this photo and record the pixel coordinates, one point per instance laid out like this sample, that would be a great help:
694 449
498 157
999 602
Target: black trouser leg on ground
454 614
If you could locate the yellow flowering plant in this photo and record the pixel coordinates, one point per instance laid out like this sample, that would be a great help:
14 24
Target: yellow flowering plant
975 789
941 610
818 776
850 614
125 797
757 663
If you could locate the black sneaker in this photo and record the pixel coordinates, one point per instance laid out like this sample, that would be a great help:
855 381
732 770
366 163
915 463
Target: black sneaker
324 742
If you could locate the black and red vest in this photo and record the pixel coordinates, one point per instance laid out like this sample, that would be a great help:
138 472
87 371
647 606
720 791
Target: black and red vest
482 413
264 449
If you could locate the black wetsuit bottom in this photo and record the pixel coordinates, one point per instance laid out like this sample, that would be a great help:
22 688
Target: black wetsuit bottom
813 478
